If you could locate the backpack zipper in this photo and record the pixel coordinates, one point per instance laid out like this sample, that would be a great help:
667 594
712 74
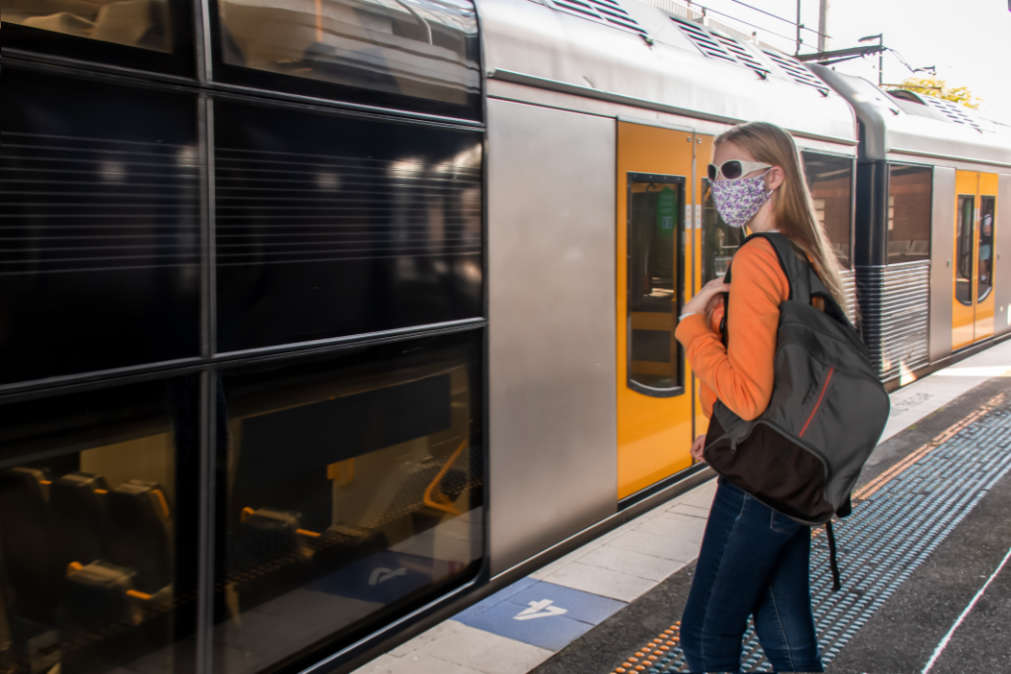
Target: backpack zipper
821 396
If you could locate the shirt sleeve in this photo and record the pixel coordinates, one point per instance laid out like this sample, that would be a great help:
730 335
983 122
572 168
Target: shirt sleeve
741 376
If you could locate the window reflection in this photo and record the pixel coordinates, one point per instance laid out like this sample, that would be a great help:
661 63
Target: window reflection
830 180
963 249
986 217
136 23
655 205
350 489
97 536
909 206
423 49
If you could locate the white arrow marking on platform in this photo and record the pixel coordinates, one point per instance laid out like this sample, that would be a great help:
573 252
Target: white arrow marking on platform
382 574
540 609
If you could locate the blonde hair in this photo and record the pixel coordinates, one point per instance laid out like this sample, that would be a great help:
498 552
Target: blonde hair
793 209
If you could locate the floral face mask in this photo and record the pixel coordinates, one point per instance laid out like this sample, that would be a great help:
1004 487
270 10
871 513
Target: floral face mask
738 200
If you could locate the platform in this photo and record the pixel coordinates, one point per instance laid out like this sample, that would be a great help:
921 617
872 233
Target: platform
924 561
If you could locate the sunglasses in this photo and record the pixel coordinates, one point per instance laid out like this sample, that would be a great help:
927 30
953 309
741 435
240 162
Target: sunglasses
734 168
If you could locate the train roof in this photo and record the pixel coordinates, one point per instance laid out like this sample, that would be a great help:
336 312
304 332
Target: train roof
630 52
901 122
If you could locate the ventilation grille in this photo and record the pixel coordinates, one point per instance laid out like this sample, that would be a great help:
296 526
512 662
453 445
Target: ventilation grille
721 47
706 43
604 11
743 55
952 111
798 72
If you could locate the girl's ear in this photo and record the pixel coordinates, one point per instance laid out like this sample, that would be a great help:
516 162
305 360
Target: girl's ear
775 177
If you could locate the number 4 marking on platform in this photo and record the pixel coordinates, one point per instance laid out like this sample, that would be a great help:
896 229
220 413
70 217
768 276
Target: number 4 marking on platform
540 609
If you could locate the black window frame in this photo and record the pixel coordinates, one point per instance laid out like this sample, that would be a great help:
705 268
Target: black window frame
265 80
981 297
848 265
180 60
928 169
959 237
678 283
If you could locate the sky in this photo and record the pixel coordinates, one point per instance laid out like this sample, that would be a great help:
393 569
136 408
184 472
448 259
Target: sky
968 41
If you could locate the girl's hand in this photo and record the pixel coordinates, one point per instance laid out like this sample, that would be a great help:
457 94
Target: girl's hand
697 446
706 293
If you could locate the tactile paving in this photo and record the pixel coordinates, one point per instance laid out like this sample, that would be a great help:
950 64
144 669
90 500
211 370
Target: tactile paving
904 515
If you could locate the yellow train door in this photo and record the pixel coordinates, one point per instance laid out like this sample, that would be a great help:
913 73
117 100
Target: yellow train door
972 316
654 273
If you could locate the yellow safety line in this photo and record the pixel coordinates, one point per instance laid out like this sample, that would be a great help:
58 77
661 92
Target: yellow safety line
647 656
874 485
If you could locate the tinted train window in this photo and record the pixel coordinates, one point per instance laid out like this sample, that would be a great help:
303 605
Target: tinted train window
352 489
963 249
100 265
655 232
136 23
330 226
719 240
830 180
98 532
909 209
986 225
374 50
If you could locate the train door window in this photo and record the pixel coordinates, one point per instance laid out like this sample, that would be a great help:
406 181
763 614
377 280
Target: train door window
98 528
146 34
655 235
100 266
909 212
719 240
353 494
986 239
418 53
830 181
963 250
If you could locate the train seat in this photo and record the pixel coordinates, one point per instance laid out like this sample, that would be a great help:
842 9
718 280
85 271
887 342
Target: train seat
30 548
97 594
268 534
141 533
80 505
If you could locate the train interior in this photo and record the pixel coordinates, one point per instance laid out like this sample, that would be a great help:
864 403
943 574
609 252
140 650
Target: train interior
341 497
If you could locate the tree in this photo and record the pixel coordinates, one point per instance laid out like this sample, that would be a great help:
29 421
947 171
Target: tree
935 86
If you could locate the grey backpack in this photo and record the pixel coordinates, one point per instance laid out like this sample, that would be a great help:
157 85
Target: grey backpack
803 455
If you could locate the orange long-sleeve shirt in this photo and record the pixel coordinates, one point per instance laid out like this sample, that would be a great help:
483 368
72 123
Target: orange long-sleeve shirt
740 375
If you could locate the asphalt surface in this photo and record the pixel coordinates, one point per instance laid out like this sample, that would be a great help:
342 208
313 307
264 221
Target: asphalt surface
904 633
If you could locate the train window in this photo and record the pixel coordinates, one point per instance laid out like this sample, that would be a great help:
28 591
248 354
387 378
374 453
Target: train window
655 245
353 489
376 51
909 212
963 248
986 224
136 23
719 240
329 226
101 254
830 180
98 537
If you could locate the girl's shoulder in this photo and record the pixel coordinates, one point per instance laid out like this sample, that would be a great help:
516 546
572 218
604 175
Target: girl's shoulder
757 263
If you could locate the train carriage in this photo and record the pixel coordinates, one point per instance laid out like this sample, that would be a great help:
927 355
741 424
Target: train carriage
931 230
323 318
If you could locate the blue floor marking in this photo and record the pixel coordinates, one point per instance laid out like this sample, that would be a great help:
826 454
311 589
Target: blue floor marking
540 613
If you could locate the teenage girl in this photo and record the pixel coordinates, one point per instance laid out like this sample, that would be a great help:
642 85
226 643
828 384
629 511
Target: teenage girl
754 560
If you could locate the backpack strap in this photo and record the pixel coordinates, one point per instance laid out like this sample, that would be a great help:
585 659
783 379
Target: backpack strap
832 556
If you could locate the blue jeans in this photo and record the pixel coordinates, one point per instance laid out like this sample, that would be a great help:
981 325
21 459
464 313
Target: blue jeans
754 560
